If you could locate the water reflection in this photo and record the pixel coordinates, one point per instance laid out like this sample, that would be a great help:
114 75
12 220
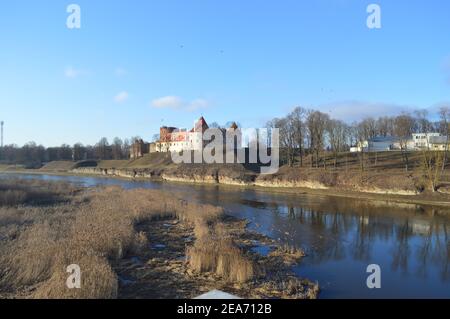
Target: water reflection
336 234
341 236
409 241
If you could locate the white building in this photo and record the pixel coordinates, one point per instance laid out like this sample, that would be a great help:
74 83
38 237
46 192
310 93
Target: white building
418 141
421 140
376 144
172 139
439 143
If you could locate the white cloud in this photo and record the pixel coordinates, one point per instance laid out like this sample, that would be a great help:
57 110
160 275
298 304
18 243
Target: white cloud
71 72
167 102
121 97
175 102
353 110
434 109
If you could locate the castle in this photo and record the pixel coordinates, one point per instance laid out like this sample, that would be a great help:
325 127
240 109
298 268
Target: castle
172 139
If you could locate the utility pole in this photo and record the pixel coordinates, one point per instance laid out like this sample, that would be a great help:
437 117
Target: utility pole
2 133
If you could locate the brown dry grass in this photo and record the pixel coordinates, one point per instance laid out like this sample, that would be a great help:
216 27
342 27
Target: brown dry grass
92 229
16 192
294 288
214 251
58 166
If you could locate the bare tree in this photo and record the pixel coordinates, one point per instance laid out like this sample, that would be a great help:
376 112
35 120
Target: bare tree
316 123
102 149
126 148
298 125
287 137
79 152
353 134
369 128
385 126
444 114
337 134
404 127
360 133
117 149
423 124
65 152
155 138
431 165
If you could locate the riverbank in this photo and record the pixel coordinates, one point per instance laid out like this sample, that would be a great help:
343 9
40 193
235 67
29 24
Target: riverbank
336 233
133 244
232 178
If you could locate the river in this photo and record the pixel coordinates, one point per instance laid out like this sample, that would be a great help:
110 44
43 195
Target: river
341 236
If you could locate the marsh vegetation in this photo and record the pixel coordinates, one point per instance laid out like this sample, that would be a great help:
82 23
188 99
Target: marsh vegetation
46 226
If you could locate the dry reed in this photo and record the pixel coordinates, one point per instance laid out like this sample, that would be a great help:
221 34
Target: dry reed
91 229
215 252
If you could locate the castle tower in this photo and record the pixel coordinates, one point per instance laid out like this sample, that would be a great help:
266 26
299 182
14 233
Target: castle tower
201 125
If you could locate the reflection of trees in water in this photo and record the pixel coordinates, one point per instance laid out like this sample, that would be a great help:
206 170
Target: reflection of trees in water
361 246
336 228
332 234
445 273
441 251
435 248
401 250
322 232
423 253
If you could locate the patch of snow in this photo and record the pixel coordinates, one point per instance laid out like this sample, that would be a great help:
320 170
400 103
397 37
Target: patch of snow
217 294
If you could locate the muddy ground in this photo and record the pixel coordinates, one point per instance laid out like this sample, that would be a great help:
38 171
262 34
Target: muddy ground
162 271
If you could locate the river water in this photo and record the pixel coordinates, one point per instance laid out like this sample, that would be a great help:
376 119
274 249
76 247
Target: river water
341 236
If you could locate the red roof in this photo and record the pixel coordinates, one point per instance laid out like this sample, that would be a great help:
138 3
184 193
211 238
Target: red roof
201 125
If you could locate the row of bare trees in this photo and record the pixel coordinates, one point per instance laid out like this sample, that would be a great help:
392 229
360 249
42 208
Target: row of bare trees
34 155
305 132
311 132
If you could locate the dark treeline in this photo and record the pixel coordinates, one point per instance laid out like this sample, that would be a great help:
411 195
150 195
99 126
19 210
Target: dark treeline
33 155
306 132
303 132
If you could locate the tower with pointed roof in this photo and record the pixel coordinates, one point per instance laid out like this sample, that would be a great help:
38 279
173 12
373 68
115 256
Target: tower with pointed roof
201 125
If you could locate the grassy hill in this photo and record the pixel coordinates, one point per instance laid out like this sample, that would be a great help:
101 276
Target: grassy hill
154 160
157 160
58 166
377 173
383 170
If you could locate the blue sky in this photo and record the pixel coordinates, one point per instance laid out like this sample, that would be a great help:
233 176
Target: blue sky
136 64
